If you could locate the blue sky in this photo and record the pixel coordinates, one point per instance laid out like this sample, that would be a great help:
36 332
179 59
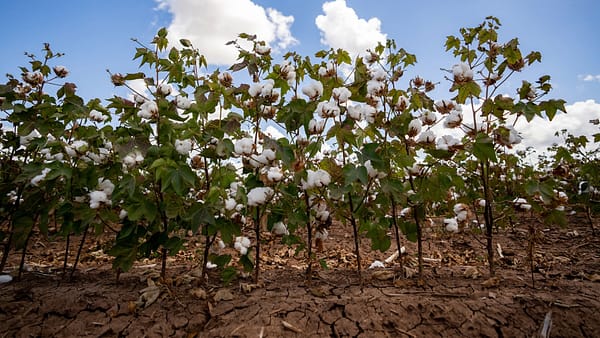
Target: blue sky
95 35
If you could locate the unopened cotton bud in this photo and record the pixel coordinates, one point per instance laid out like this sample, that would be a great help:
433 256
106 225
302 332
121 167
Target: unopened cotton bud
61 71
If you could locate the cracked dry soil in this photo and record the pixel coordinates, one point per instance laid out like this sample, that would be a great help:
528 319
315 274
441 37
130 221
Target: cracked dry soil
454 298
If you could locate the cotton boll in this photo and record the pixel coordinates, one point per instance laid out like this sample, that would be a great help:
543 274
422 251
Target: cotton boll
341 94
316 179
139 99
414 128
453 119
230 204
148 110
377 264
5 279
427 137
267 88
225 79
369 113
33 78
97 197
210 265
428 117
274 174
445 106
375 87
451 224
462 72
25 140
242 244
327 109
313 90
260 195
262 49
106 185
269 154
60 71
372 172
328 70
378 74
183 146
280 228
122 214
220 244
405 212
316 127
182 102
355 112
35 181
97 116
448 142
255 89
244 146
165 89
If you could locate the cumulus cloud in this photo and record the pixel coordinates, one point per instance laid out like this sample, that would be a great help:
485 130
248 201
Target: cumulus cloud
274 133
540 132
590 77
341 27
210 24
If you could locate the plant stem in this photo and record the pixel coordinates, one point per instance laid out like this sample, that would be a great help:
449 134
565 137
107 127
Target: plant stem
257 258
309 239
419 238
356 239
488 215
530 251
397 233
79 251
207 245
66 259
163 268
6 250
22 264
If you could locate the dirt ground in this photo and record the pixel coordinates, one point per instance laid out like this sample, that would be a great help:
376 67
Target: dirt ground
454 297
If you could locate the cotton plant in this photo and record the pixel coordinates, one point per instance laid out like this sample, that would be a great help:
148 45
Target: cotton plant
57 149
175 156
484 65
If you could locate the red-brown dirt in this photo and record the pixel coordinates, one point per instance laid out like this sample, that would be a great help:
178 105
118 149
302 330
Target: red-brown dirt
454 297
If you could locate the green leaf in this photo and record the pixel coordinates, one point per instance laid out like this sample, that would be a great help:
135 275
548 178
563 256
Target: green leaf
378 235
185 42
174 245
354 173
468 90
483 148
552 106
409 229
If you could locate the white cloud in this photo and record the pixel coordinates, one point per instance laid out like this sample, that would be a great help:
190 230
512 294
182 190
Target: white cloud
590 77
210 24
274 133
540 132
342 28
